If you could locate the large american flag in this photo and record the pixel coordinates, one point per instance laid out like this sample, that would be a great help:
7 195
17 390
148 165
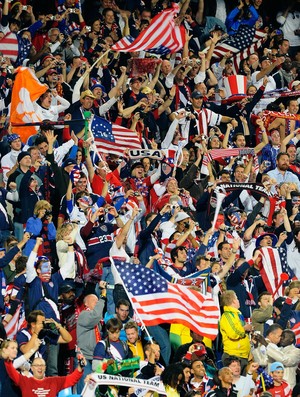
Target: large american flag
245 42
162 36
274 263
157 301
112 138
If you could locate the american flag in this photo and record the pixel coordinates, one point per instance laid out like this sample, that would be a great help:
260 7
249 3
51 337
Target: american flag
223 153
273 265
112 138
245 42
9 46
156 301
162 36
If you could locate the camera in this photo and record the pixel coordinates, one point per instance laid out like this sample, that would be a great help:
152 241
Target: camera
229 228
136 193
48 213
49 326
188 115
186 225
214 260
88 29
72 10
24 8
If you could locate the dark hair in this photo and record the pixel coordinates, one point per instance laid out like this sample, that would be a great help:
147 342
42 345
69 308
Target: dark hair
272 328
149 216
122 302
40 139
264 293
32 316
221 245
231 359
281 154
291 334
21 263
114 324
170 375
174 252
106 10
237 135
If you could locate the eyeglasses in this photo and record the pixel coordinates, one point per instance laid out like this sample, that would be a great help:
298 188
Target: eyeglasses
38 365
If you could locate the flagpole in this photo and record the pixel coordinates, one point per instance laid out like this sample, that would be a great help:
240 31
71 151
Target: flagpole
144 328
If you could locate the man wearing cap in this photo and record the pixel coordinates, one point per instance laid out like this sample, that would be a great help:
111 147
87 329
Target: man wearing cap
78 110
134 95
101 105
195 124
53 79
10 159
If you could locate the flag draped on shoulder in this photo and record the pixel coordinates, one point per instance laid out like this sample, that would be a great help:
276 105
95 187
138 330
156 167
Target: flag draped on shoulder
26 90
162 36
112 138
157 301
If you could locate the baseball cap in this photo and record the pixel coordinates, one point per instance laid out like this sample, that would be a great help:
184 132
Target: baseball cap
47 56
51 71
68 161
133 79
181 216
264 58
87 93
137 164
275 366
146 90
197 95
295 83
64 288
12 137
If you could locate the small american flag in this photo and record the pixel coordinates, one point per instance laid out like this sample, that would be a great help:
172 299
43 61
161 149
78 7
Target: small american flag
112 138
162 36
157 301
245 42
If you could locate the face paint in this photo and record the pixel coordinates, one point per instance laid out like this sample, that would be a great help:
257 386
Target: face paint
46 267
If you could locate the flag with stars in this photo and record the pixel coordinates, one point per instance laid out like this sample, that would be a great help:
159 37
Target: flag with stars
245 42
157 301
112 138
162 36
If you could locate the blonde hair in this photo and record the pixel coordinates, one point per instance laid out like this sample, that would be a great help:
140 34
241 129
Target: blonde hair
41 205
293 284
5 344
227 298
62 231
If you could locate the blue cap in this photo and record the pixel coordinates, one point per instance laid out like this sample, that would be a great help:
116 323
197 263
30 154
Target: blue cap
276 366
12 137
98 85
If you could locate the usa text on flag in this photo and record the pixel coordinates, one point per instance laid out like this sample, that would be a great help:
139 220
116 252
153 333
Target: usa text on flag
26 90
112 138
157 301
162 36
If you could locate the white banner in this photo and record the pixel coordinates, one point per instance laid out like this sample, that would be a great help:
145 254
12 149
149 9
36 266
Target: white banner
116 380
135 154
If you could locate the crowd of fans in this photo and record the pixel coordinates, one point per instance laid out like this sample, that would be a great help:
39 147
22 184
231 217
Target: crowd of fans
67 209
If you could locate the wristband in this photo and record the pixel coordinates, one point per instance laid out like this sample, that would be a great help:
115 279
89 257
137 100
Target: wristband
70 245
117 216
234 251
